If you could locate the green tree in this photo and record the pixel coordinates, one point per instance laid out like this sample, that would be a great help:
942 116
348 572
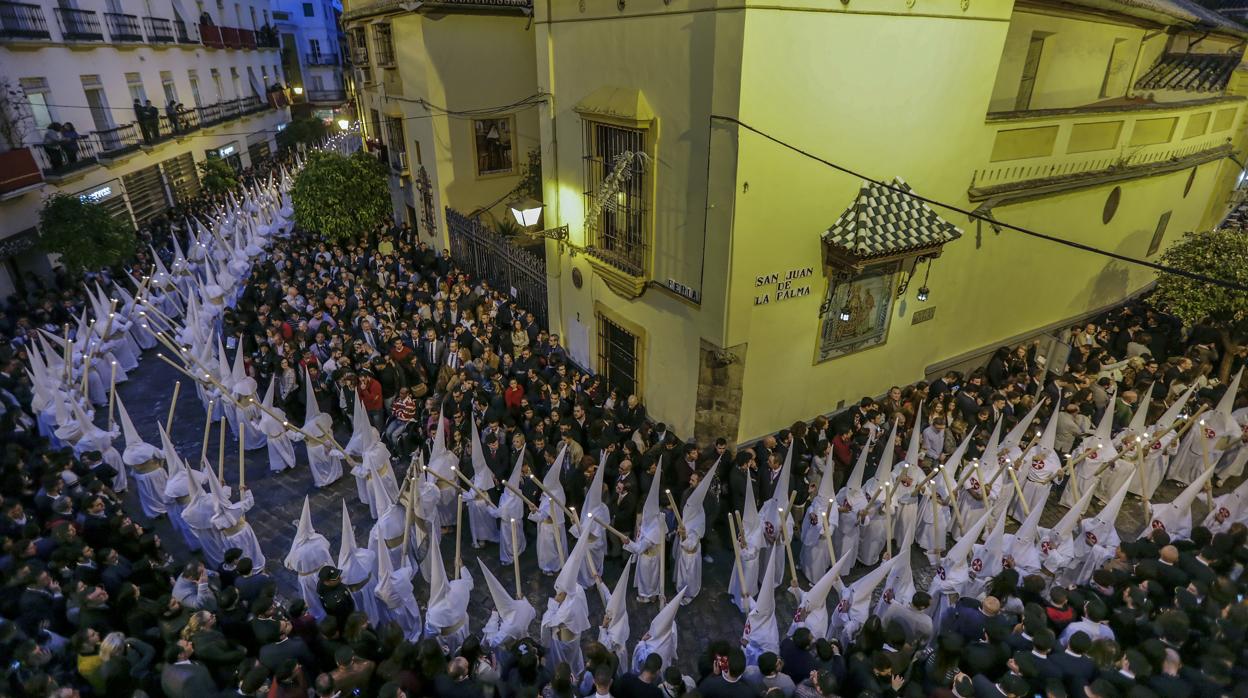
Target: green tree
1218 254
83 234
307 131
217 177
341 197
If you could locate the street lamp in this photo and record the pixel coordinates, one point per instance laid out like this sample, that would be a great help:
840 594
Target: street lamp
344 124
298 90
527 211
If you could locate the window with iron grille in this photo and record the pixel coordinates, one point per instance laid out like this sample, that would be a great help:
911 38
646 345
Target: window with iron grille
617 358
617 195
359 46
383 44
396 143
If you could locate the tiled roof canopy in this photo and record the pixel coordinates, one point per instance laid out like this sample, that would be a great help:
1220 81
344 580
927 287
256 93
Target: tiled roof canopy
886 221
1193 72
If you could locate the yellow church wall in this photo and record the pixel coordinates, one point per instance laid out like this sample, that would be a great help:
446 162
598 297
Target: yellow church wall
459 62
685 59
873 87
924 122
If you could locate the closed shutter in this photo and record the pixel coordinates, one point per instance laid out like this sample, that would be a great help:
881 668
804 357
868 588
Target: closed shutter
146 188
182 177
258 152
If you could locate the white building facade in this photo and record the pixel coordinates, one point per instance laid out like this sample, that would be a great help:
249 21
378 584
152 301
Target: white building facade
312 54
208 69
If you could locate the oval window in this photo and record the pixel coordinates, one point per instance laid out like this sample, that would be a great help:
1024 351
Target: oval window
1111 205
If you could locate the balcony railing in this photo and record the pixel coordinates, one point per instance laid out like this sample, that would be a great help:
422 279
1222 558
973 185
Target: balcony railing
22 21
267 38
320 59
185 35
229 36
159 30
247 39
59 159
1055 146
326 95
123 27
79 25
211 35
118 140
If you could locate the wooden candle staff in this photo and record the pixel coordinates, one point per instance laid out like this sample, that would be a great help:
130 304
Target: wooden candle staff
173 405
515 557
459 518
221 455
203 442
112 394
736 551
242 456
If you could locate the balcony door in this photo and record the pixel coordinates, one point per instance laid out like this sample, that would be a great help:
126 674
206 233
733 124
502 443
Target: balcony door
97 103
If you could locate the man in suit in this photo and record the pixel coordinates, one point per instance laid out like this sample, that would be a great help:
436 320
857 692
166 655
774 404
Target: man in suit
497 458
250 583
1076 668
771 477
274 654
183 677
1043 670
623 504
432 352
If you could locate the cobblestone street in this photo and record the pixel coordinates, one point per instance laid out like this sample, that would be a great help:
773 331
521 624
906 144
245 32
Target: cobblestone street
279 499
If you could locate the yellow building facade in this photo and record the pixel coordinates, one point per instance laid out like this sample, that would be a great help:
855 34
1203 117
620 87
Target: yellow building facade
448 88
1036 114
697 152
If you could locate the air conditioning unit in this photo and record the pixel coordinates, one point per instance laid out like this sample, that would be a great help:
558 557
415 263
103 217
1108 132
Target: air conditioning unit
398 160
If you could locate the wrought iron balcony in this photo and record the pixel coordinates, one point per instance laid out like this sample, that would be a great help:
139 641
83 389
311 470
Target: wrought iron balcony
229 36
159 30
79 25
118 140
327 96
320 59
247 39
60 159
185 34
267 38
123 27
22 21
211 35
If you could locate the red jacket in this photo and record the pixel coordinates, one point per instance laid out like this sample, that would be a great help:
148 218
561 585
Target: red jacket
370 393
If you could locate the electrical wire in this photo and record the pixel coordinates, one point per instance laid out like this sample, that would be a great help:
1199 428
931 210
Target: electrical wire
1163 268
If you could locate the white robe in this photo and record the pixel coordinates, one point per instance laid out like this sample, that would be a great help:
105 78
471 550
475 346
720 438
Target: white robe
509 507
482 526
815 559
325 464
242 536
647 549
151 489
552 537
281 453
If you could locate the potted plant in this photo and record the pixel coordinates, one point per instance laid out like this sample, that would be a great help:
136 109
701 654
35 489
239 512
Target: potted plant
18 168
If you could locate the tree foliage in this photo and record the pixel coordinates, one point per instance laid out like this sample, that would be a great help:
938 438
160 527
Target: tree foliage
1218 254
306 131
83 234
217 176
341 197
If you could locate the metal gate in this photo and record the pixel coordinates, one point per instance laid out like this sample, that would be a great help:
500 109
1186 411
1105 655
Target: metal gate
510 269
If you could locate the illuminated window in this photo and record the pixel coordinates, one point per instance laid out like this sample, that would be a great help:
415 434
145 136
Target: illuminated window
495 145
617 189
